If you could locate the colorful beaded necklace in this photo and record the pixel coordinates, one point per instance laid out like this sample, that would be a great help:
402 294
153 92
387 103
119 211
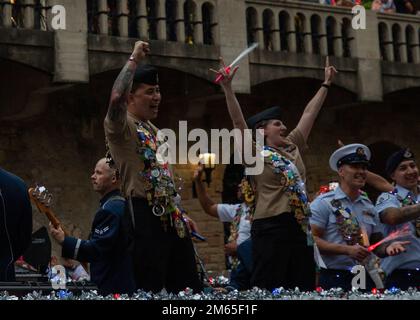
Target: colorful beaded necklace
293 185
348 224
247 209
157 178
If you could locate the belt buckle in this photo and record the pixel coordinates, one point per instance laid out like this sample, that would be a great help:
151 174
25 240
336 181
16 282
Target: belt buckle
158 210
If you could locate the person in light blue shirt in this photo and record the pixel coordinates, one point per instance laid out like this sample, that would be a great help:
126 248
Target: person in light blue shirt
344 221
399 210
239 246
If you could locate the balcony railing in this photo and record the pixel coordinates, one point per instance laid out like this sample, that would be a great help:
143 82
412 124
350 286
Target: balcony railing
189 21
300 27
291 26
399 37
24 14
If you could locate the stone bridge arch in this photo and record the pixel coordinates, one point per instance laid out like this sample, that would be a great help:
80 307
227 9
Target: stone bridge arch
264 73
193 60
406 98
298 91
33 48
24 91
401 86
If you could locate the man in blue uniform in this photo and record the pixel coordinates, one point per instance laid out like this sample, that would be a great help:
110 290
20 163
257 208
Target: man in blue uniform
344 220
15 222
398 210
108 247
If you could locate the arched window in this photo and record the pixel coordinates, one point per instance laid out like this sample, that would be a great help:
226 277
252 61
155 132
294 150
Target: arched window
330 26
347 38
315 27
251 25
396 37
419 36
132 19
208 23
189 19
1 14
284 22
17 14
300 32
382 32
92 12
152 18
268 26
170 9
41 15
112 18
409 36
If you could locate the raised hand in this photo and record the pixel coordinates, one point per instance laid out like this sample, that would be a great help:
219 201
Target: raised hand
198 172
141 49
225 74
330 72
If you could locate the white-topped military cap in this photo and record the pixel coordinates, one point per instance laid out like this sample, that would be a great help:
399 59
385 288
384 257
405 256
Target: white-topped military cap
350 154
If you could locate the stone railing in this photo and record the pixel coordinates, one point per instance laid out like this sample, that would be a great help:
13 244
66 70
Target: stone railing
300 27
399 37
190 21
287 26
318 29
25 14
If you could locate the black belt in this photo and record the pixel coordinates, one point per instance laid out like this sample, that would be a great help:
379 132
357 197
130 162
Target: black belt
335 271
283 219
406 271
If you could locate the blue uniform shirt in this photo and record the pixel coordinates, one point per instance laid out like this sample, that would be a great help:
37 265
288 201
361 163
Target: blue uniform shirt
323 216
15 222
411 258
107 248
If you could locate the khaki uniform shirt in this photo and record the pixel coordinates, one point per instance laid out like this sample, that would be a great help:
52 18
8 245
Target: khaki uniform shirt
271 199
123 144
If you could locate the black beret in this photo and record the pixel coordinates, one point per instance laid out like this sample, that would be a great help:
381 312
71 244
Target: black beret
396 158
146 74
273 113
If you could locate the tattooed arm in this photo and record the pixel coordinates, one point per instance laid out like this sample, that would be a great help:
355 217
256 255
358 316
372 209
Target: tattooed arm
395 216
117 109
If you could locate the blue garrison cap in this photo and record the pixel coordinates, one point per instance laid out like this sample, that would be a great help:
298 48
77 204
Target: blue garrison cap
273 113
396 158
146 74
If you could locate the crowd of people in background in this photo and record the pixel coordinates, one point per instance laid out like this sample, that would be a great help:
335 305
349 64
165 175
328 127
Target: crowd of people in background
384 6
